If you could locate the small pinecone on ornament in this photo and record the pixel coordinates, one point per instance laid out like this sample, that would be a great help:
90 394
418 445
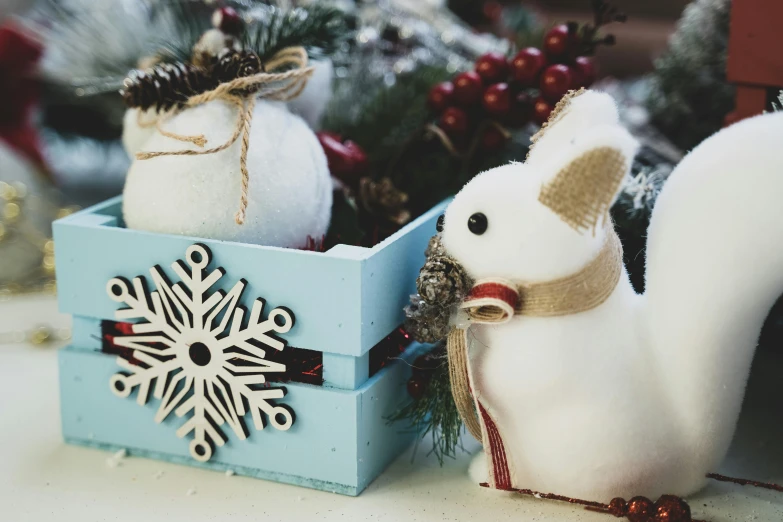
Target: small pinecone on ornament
426 323
383 200
236 64
165 86
443 281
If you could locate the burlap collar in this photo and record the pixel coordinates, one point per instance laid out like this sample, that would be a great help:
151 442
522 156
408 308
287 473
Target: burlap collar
496 300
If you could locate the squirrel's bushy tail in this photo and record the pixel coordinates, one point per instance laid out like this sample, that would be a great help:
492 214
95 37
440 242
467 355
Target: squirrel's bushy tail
714 269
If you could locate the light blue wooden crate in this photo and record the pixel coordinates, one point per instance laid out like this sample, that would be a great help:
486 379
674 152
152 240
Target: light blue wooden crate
346 300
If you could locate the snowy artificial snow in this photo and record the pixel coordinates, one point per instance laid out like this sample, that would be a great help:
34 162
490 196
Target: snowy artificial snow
202 356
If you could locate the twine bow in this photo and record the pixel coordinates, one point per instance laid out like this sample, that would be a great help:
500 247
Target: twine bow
496 301
242 92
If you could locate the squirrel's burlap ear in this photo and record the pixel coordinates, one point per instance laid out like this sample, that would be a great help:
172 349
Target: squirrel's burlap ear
582 191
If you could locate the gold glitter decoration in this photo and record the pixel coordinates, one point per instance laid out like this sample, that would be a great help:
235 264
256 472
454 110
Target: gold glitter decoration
41 335
48 263
67 211
11 212
7 192
20 189
24 230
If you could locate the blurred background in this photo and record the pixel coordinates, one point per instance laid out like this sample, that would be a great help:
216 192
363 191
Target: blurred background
62 63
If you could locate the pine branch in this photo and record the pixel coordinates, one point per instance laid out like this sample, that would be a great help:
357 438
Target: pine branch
390 117
319 29
189 21
689 95
435 413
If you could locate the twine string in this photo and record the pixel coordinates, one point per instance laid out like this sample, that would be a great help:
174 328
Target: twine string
243 93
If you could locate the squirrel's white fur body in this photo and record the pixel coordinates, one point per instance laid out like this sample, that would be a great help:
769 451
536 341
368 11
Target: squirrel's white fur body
640 395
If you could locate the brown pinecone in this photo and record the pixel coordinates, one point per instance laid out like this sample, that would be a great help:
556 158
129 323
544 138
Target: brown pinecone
426 323
435 247
443 281
382 200
165 85
236 64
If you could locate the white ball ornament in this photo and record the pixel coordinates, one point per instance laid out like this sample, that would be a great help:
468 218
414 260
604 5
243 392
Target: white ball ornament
137 127
581 386
311 103
289 191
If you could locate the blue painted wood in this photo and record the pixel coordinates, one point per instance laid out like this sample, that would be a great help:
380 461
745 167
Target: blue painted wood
346 300
388 276
345 371
340 441
86 333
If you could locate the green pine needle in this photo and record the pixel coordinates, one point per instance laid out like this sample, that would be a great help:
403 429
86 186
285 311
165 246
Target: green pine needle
391 116
319 29
189 21
435 414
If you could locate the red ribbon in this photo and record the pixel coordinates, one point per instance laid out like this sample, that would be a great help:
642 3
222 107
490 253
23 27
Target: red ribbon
494 290
19 55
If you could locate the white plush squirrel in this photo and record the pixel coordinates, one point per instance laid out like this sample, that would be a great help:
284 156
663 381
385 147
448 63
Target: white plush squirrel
591 390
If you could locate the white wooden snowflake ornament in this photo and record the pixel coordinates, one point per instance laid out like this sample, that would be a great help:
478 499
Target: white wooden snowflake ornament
196 347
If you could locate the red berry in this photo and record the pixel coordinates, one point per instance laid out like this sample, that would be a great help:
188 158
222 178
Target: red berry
227 20
493 139
541 110
468 88
347 161
124 328
560 43
555 82
454 121
521 109
584 71
441 96
497 99
492 67
526 66
416 387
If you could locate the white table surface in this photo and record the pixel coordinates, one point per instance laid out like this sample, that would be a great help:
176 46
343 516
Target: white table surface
43 479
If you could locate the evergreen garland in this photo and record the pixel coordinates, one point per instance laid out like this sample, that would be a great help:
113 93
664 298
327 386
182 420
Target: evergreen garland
319 29
390 124
689 96
434 413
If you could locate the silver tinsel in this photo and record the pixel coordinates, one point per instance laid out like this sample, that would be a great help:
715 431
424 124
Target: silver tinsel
425 322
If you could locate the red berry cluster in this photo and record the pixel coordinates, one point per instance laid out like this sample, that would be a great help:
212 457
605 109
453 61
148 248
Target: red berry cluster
513 92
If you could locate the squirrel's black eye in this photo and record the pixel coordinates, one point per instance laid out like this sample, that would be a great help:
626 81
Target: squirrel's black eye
441 221
477 223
